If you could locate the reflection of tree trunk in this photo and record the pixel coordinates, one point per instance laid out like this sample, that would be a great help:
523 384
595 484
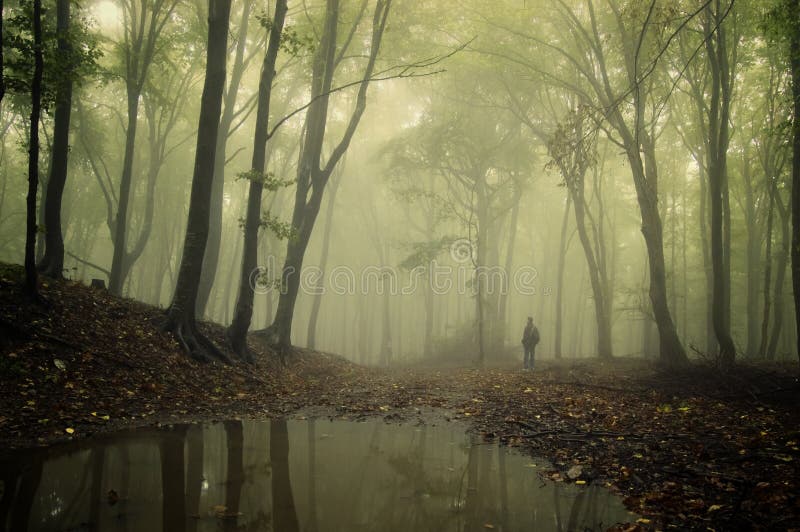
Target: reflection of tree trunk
472 523
10 477
173 503
501 464
312 477
234 437
194 473
283 509
29 485
557 486
96 462
575 512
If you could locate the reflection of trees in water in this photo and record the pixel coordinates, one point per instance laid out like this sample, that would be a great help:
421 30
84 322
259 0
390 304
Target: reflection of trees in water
367 476
31 477
311 525
234 438
173 503
283 508
194 474
96 464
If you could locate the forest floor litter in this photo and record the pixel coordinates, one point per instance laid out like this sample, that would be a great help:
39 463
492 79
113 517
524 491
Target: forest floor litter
687 449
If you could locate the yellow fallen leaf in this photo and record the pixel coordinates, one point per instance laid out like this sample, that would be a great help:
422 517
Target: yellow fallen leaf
69 430
580 482
714 507
643 521
106 417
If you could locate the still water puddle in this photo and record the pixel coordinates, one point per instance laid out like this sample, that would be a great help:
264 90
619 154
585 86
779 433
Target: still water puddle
296 475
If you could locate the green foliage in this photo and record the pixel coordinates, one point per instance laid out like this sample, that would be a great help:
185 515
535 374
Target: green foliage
76 65
423 253
282 230
267 180
292 42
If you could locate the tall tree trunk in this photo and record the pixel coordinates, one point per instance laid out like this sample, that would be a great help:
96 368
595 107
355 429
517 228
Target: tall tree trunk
211 258
237 331
753 256
117 278
509 264
711 339
762 349
2 63
562 256
311 177
778 295
52 263
718 118
323 262
31 281
283 507
145 23
794 51
180 315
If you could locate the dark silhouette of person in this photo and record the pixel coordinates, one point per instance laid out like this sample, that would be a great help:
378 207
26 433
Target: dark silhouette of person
530 337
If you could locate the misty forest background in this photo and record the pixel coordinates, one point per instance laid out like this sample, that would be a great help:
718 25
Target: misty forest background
632 159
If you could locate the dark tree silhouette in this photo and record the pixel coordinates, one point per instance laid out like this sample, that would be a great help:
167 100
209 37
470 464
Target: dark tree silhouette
243 314
52 264
31 278
181 313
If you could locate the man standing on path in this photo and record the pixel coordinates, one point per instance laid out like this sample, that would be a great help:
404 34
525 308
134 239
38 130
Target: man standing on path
530 337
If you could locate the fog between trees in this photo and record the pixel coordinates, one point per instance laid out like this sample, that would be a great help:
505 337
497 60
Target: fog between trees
620 171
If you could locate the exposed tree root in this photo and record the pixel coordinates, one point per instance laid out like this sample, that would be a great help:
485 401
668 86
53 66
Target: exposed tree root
194 344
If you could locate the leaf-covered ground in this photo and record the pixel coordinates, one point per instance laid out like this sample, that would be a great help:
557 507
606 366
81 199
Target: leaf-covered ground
689 450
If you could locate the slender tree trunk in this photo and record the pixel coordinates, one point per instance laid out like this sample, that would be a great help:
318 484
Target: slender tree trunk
711 339
283 506
603 320
117 279
323 262
762 349
2 64
509 264
234 438
237 331
794 52
52 264
778 295
717 182
211 259
753 256
312 178
562 256
181 313
31 281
